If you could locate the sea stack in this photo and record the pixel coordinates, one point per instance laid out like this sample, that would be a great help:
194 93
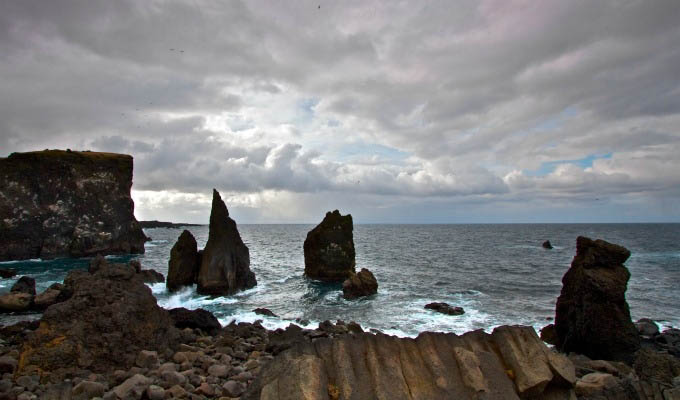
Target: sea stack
592 315
225 263
329 249
67 204
184 262
360 284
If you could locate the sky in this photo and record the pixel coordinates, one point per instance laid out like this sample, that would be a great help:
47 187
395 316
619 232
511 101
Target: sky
485 111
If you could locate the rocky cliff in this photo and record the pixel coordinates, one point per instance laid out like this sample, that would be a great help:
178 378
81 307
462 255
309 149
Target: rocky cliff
57 203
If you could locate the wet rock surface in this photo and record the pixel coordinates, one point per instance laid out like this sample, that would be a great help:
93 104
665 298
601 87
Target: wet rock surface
67 204
195 319
361 284
592 316
225 262
329 249
445 308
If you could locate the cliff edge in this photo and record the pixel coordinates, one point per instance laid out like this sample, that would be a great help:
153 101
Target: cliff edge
56 203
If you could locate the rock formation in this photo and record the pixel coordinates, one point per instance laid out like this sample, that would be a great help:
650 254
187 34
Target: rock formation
184 262
67 204
360 284
225 263
329 249
547 245
110 317
199 318
25 284
592 315
445 308
510 363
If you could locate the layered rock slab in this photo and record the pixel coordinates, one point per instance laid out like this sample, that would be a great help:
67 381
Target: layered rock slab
592 316
510 363
57 203
329 249
225 262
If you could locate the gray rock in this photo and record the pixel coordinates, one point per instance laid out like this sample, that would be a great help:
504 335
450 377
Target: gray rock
647 327
184 262
88 390
219 370
360 284
172 378
134 387
8 364
147 359
154 392
233 388
30 382
25 284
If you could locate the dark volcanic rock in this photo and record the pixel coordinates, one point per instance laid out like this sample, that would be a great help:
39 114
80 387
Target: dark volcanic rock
592 315
547 245
54 294
184 262
110 317
329 249
151 276
225 264
199 318
360 284
162 224
510 363
25 284
7 273
264 311
548 334
67 204
444 308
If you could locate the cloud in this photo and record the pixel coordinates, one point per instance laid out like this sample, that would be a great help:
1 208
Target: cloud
400 103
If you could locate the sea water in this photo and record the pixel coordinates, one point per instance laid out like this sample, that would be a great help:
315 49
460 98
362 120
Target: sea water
499 274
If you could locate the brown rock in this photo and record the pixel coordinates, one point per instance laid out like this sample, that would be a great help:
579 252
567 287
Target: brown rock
592 315
225 264
360 284
184 262
329 249
15 301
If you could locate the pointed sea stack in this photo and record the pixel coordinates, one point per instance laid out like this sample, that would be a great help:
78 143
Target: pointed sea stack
592 315
329 249
225 264
184 262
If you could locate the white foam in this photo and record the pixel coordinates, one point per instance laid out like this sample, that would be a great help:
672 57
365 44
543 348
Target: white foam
271 323
32 260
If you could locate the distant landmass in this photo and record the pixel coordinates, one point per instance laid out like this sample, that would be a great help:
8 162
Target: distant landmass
163 224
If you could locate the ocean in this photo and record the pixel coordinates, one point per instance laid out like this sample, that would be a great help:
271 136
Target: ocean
499 274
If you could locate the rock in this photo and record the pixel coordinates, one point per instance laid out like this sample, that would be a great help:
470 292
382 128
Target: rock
154 392
54 294
133 387
444 308
510 363
329 249
110 317
233 388
67 204
29 382
548 334
195 319
25 284
592 315
15 302
264 311
88 390
360 284
184 262
219 370
176 392
594 383
205 389
655 366
7 273
354 327
172 378
151 276
147 359
647 327
547 245
225 264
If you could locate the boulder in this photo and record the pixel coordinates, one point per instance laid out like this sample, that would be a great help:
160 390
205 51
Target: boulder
510 363
54 294
647 327
25 284
264 311
110 317
444 308
360 284
329 249
67 204
184 262
547 245
7 273
225 264
592 315
151 276
549 335
195 319
15 302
